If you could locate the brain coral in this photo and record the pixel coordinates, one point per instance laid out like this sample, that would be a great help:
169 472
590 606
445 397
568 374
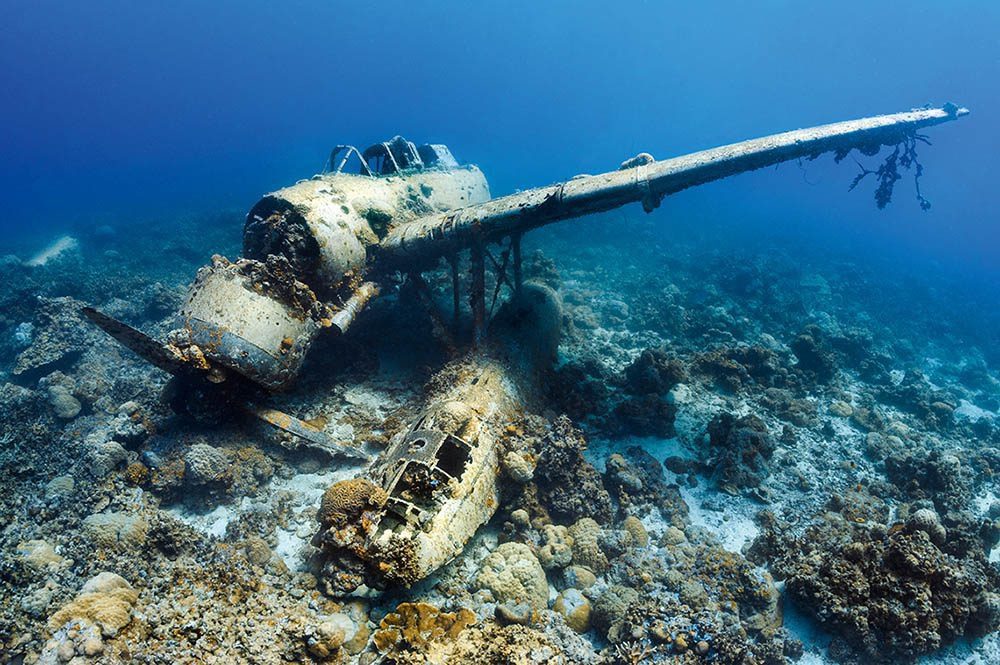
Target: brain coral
513 573
346 500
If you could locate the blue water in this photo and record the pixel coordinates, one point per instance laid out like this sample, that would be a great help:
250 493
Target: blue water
122 111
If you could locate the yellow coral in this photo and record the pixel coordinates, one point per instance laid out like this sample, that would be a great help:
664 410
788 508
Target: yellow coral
346 500
417 625
106 601
586 550
38 554
136 473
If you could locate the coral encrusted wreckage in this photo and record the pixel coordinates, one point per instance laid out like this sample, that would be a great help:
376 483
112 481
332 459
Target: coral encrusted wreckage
734 455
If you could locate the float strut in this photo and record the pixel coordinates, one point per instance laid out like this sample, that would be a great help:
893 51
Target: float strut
515 248
455 297
477 292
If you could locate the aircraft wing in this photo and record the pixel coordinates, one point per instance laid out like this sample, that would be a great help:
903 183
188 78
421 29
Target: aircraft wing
643 179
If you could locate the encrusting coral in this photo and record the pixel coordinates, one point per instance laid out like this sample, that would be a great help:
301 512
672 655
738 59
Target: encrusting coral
419 627
568 485
106 600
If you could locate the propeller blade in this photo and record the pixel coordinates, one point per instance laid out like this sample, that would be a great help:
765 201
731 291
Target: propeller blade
138 342
313 436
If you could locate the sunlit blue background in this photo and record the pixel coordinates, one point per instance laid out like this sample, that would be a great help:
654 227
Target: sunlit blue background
119 111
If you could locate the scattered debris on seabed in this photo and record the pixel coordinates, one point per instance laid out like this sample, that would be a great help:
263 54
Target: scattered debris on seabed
741 456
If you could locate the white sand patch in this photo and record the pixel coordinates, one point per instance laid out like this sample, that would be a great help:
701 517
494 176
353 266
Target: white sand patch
814 639
306 489
980 507
290 549
733 521
981 504
598 450
60 246
212 523
969 652
372 400
729 517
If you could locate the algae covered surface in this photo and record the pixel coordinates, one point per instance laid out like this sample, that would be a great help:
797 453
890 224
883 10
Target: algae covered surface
740 456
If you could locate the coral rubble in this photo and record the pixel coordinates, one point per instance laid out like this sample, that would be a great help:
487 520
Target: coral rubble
735 442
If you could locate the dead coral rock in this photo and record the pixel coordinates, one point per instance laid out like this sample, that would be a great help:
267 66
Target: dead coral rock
739 367
61 336
345 501
816 359
580 388
492 644
419 627
645 415
741 448
636 478
783 404
888 592
512 573
106 600
664 630
915 395
540 268
568 485
654 371
610 609
935 475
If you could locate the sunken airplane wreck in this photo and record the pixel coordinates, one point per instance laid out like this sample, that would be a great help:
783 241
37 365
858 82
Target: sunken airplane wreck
317 252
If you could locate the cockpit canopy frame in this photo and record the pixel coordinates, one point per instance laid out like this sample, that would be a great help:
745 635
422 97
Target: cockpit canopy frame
397 155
